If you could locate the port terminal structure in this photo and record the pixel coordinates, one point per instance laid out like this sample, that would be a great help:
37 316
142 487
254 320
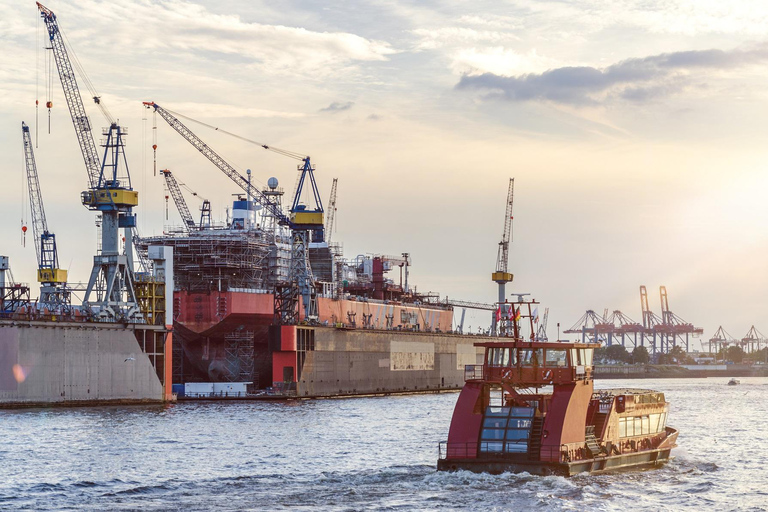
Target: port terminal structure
752 342
659 333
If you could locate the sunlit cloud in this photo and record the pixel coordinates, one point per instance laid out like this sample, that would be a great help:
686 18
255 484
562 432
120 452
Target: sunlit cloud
636 80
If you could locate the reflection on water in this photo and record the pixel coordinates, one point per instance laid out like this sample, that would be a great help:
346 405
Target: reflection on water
364 453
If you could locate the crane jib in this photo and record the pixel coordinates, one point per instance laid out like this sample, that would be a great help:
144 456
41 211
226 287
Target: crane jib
223 165
73 98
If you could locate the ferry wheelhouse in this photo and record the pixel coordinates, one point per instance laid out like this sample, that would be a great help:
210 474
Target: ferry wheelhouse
531 407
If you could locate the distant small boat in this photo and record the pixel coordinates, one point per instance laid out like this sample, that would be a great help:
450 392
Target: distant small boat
734 382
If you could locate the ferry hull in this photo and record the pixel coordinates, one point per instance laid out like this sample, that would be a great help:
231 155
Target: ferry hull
641 460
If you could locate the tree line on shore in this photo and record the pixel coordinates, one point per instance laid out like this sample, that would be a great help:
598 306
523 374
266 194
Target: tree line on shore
640 355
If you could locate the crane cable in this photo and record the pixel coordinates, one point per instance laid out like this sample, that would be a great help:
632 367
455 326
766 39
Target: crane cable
284 152
37 79
88 84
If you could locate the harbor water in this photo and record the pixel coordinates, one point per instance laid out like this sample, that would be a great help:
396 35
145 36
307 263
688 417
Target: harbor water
360 454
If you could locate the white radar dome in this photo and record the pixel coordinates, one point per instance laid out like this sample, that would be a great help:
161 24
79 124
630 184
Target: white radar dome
272 183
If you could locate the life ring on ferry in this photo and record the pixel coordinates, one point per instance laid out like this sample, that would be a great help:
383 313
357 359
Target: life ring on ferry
548 375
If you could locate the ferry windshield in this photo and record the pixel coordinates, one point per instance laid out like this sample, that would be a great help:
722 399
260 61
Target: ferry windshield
556 357
501 357
532 357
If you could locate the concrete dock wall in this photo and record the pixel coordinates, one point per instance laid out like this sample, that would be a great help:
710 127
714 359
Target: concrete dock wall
370 361
49 362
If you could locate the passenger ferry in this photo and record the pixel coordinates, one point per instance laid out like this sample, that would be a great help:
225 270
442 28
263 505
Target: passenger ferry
531 407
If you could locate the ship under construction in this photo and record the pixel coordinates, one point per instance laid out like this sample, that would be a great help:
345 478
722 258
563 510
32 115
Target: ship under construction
264 299
267 299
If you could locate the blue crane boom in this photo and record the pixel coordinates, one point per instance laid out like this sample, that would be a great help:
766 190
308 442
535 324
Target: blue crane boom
54 293
300 219
302 222
178 198
72 95
45 241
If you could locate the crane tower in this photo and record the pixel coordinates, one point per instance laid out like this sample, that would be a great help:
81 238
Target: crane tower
110 292
502 276
53 280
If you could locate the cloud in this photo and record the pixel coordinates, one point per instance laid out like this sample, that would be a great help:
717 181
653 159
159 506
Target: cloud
338 107
639 80
446 36
186 29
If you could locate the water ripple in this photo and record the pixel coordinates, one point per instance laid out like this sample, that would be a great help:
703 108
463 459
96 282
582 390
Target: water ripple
361 454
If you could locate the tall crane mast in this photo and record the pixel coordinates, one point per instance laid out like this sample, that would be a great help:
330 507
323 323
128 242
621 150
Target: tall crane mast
181 204
53 291
306 224
109 193
541 333
502 276
331 217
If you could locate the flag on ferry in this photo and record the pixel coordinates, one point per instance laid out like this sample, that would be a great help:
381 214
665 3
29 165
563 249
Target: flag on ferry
536 315
518 315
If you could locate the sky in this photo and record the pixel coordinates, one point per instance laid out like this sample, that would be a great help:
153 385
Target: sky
635 132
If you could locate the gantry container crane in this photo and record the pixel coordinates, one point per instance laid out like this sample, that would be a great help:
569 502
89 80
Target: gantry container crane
502 276
306 224
109 193
53 280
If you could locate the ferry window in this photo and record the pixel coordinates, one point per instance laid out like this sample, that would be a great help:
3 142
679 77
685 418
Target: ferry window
654 422
638 425
663 422
622 427
646 425
556 357
506 429
494 422
493 434
517 423
587 356
532 357
498 357
575 359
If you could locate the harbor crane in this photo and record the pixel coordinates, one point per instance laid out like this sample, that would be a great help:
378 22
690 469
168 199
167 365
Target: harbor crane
306 224
331 217
110 293
752 339
541 333
188 222
53 280
674 328
502 276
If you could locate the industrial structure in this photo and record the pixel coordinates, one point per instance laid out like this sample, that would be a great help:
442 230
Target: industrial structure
660 334
54 294
116 345
500 322
110 293
263 299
